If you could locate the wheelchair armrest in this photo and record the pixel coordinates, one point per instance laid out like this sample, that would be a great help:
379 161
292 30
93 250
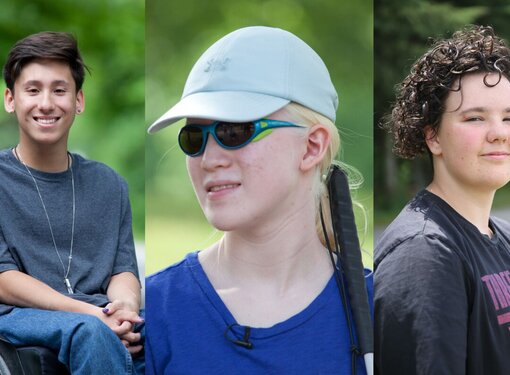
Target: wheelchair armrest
10 362
39 360
33 360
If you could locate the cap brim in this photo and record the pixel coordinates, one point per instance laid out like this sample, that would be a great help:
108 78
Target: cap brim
231 106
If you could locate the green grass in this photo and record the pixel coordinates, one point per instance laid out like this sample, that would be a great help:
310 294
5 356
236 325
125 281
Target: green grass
169 239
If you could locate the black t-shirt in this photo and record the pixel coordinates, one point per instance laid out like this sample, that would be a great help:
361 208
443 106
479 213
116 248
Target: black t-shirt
442 293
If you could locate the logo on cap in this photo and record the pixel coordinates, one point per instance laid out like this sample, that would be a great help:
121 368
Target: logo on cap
217 64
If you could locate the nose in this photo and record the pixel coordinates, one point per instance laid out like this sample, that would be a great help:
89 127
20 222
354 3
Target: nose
214 155
46 103
499 131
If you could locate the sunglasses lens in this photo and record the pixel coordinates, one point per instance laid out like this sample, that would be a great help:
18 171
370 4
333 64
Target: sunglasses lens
191 139
234 134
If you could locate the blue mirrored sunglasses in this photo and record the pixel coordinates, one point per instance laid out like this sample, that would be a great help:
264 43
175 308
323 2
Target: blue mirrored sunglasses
229 135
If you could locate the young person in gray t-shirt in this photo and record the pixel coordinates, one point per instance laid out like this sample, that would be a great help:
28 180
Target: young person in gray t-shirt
68 271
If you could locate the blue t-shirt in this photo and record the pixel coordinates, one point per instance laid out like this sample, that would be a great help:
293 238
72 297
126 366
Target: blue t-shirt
186 321
103 239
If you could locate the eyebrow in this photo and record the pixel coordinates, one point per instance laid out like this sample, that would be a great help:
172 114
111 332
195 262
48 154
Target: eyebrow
54 83
479 110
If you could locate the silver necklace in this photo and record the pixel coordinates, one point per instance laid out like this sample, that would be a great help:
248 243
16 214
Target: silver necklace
70 258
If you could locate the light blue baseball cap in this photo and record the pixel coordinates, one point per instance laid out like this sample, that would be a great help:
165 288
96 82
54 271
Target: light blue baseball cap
250 74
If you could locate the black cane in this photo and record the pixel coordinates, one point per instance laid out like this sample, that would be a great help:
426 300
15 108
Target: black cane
346 237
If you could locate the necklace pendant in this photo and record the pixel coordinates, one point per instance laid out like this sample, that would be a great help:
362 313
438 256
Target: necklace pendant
68 285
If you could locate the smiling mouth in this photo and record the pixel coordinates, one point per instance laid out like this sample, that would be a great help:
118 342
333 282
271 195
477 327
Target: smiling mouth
497 156
217 188
46 120
497 153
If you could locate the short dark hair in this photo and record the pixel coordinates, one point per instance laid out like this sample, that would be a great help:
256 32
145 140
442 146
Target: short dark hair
45 45
421 95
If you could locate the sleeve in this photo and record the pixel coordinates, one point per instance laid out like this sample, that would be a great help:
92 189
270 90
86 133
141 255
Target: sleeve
125 260
7 261
421 309
158 348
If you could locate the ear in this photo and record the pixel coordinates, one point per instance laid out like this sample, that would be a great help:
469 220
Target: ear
317 143
80 102
8 101
432 140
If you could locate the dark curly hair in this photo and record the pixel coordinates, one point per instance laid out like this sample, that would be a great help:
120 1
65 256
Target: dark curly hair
421 96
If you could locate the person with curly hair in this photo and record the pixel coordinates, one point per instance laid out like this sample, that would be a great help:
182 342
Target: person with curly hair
442 267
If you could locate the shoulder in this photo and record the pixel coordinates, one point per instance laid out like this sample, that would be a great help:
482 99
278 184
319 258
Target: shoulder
173 290
95 170
162 277
502 229
176 276
4 154
11 171
501 225
6 159
425 224
94 166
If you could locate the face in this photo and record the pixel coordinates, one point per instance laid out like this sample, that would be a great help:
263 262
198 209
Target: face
45 103
253 185
472 147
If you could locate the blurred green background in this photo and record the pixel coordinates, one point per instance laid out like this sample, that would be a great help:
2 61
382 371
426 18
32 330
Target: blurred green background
404 30
110 35
178 32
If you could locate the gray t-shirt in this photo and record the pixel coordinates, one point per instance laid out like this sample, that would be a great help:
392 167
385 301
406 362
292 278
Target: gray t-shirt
103 239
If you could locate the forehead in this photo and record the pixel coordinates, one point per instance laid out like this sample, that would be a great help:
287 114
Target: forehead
45 71
479 90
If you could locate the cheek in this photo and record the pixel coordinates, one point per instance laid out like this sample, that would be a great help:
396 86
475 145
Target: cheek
463 143
68 104
193 166
272 164
24 103
470 140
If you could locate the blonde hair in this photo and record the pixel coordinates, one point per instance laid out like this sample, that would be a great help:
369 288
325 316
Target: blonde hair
306 116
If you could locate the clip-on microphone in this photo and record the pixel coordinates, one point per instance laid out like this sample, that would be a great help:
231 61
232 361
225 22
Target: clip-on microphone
245 342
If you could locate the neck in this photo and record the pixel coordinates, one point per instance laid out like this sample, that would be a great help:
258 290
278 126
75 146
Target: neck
277 256
473 204
42 158
268 273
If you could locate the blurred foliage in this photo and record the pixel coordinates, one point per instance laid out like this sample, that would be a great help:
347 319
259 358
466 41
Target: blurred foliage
110 36
178 32
404 30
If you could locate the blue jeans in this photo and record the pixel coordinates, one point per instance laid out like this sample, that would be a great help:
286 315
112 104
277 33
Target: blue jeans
83 343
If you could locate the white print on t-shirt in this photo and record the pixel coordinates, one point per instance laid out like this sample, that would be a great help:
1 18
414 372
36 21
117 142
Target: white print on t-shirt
498 285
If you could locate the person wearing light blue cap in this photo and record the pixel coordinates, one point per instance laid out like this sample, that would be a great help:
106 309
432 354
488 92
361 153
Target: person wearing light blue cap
260 109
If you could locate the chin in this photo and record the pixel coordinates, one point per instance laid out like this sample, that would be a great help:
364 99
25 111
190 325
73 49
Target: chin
223 225
491 184
224 221
502 184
